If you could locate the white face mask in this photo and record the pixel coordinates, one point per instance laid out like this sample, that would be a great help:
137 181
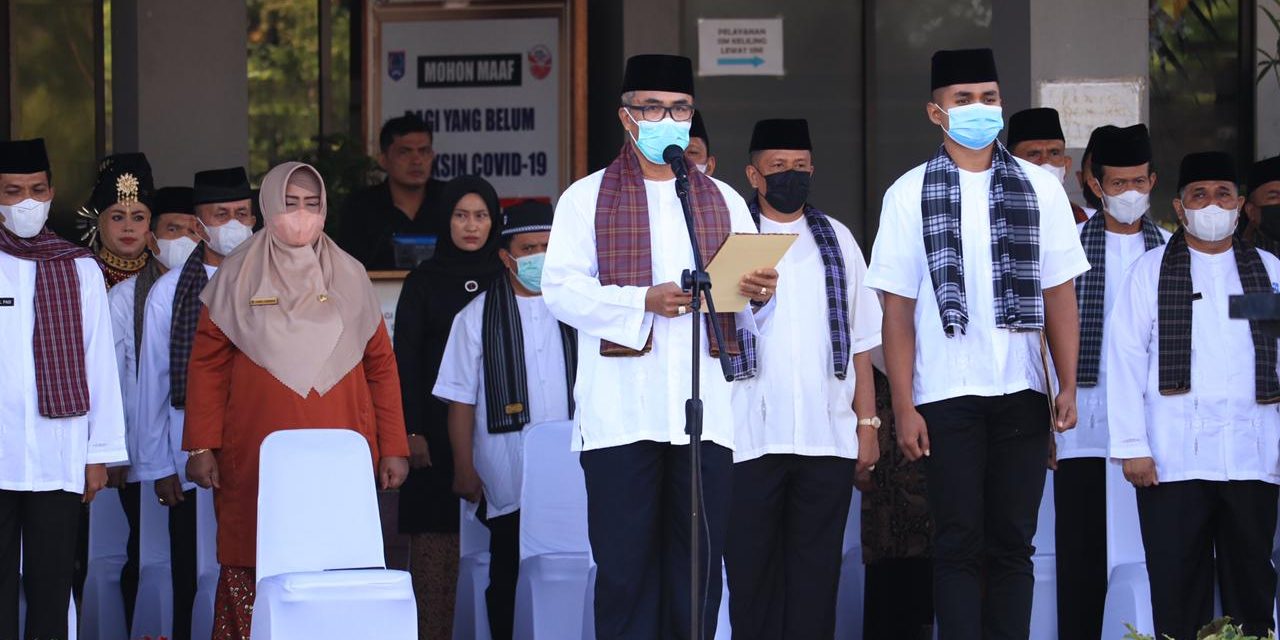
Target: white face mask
1127 207
702 168
1212 223
26 218
174 253
1061 172
224 238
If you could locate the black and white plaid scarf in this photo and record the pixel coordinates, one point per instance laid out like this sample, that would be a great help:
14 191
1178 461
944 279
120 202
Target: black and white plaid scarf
506 382
146 279
1015 243
1091 292
1173 300
182 328
746 364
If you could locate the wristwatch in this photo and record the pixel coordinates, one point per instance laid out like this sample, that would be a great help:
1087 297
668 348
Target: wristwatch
874 421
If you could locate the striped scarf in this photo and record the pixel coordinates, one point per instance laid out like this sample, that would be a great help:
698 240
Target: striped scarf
506 381
57 343
182 328
624 247
746 364
147 277
1091 292
1015 243
1173 301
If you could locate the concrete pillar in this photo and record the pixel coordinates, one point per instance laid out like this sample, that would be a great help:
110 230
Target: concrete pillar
651 27
180 84
1267 109
1095 39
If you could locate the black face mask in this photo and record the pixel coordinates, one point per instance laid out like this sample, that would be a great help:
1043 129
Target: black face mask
788 190
1269 220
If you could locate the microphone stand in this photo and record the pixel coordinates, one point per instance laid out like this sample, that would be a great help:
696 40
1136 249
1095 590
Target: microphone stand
697 282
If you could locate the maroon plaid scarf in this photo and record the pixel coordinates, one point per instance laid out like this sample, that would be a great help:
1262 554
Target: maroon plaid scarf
62 387
623 245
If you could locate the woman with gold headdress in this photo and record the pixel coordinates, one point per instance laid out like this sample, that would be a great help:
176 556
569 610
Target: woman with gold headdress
119 211
296 319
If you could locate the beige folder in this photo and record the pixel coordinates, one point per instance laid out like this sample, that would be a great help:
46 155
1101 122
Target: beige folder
741 254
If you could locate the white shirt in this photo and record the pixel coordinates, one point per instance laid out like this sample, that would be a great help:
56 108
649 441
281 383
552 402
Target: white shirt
1216 431
120 299
499 457
795 404
1089 438
984 361
625 400
44 454
160 453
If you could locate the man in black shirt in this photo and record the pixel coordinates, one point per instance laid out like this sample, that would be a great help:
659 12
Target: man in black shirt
406 203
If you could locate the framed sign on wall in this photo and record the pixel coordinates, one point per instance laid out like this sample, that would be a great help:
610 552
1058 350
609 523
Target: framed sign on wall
502 86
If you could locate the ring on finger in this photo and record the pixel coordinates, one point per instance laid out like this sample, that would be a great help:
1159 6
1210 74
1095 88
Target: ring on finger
764 291
681 310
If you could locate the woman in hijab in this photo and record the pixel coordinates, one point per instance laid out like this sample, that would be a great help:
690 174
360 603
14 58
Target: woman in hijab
296 320
465 262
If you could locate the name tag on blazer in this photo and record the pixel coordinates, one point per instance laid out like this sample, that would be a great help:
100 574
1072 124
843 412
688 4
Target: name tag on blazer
6 302
264 302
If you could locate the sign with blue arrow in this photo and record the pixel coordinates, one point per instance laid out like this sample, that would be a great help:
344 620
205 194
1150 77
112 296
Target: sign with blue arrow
740 47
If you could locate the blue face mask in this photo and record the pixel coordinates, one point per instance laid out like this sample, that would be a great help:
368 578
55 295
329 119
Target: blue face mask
529 271
655 137
975 126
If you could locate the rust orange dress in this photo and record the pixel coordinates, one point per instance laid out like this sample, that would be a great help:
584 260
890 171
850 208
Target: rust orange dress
233 405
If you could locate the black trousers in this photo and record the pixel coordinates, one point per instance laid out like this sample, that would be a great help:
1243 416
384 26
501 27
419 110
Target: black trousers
1080 529
898 601
46 525
986 476
784 549
130 502
182 562
1195 529
504 572
638 522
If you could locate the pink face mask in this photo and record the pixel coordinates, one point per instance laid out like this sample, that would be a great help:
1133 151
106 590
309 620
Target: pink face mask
299 228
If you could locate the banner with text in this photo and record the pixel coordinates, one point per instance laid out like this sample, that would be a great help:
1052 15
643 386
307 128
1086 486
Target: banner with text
493 102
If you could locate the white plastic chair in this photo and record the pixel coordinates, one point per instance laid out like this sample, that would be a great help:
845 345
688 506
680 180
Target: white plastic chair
1128 589
207 567
321 571
103 617
470 612
554 550
853 576
153 611
1044 600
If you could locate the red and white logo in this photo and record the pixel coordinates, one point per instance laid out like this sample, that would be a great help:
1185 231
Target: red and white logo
540 62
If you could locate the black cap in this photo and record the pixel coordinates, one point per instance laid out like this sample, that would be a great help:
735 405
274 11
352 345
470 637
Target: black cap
124 178
1207 165
1122 147
963 66
23 156
221 185
1264 171
1041 123
781 134
528 216
699 130
1094 138
174 200
658 72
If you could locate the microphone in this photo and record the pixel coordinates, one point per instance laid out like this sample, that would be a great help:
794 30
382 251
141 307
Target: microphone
674 156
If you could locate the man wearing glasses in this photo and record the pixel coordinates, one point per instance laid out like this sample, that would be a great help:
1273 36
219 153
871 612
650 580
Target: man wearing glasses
619 245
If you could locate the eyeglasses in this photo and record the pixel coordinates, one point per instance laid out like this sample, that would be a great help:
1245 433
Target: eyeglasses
656 112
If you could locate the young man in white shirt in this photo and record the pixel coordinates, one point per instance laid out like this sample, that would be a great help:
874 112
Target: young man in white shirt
1191 404
61 417
1122 179
804 385
221 200
964 357
619 244
508 366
